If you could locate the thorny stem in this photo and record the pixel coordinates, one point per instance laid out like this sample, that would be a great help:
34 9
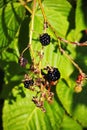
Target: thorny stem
76 65
31 28
75 43
29 10
62 39
31 33
39 1
45 19
24 4
40 63
42 9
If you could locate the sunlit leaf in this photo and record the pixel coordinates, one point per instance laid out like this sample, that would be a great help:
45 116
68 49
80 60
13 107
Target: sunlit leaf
68 110
11 17
81 17
70 124
19 112
74 103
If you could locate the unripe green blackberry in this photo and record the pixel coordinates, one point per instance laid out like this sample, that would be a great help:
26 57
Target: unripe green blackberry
44 39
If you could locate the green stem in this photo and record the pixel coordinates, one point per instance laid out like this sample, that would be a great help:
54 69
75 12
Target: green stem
31 29
43 12
24 4
76 65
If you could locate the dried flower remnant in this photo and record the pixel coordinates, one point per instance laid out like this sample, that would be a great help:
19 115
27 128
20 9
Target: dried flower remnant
23 61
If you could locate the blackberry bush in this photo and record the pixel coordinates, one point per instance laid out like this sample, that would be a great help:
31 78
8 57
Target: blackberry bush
64 24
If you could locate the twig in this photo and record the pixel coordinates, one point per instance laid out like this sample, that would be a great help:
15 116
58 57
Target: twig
24 4
75 43
76 65
42 9
31 28
24 50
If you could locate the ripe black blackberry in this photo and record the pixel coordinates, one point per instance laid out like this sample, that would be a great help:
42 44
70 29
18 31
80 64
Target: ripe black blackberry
44 39
28 83
53 74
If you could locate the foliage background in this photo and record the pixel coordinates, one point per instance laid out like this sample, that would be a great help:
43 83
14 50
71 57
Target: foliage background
69 110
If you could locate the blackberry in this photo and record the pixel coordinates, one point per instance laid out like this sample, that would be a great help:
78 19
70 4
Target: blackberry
28 83
53 75
44 39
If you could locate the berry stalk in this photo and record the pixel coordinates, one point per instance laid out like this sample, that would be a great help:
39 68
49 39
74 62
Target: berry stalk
76 65
43 12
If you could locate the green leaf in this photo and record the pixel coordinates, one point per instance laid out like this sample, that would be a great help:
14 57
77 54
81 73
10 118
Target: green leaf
11 17
70 124
81 16
75 104
57 13
5 2
19 112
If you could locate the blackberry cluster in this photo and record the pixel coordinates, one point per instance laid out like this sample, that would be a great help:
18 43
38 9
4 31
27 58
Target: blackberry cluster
44 39
28 83
53 75
42 85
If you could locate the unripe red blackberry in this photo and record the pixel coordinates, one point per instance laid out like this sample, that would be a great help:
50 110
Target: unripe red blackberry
44 39
53 75
28 83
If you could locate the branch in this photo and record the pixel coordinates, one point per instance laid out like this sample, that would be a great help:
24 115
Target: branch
24 4
75 43
76 65
62 39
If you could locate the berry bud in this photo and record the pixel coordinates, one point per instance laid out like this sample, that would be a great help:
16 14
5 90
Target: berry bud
78 89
